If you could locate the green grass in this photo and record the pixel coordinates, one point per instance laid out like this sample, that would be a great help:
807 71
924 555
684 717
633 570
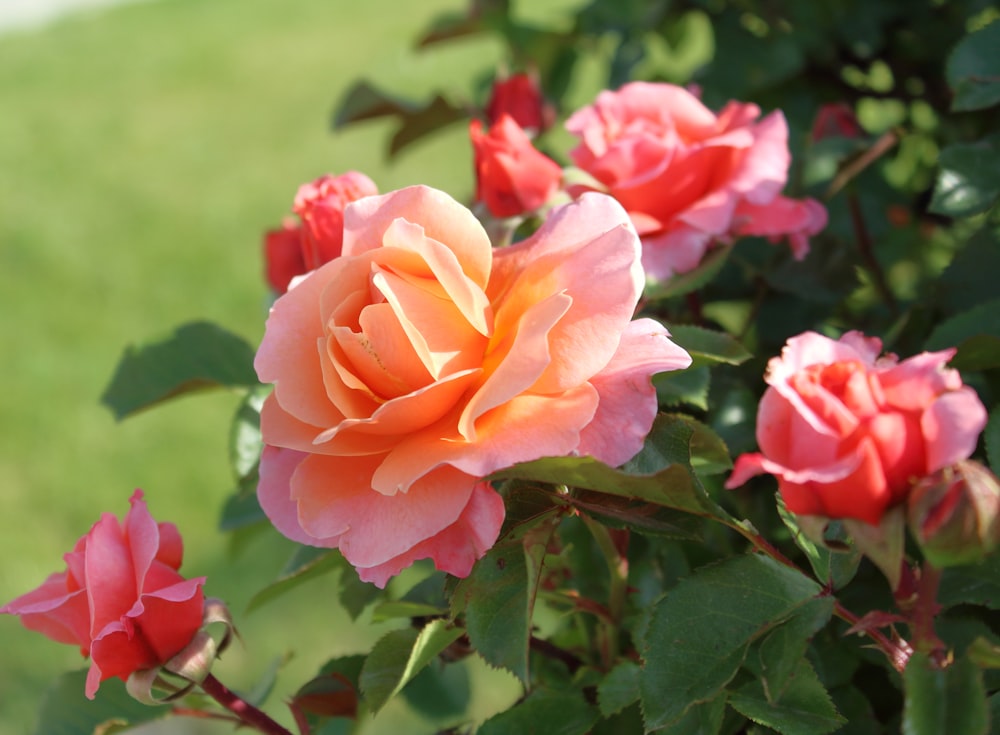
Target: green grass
143 150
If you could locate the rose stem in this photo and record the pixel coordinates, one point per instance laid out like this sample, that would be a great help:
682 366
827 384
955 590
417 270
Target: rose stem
868 252
925 639
241 708
618 585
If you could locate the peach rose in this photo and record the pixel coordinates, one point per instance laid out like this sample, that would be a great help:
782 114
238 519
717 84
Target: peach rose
296 249
121 599
512 176
847 432
421 361
689 177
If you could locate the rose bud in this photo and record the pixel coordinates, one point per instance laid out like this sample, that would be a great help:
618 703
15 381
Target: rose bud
520 97
955 514
121 598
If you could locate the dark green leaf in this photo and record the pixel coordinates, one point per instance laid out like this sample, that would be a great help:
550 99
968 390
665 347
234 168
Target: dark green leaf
498 597
308 562
969 279
544 712
991 439
803 709
619 689
194 357
688 386
355 595
66 711
245 443
835 567
707 346
973 70
402 609
399 656
974 584
439 690
781 651
967 183
976 334
699 632
240 511
951 700
704 718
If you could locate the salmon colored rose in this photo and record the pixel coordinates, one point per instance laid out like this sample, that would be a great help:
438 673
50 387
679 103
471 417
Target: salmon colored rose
689 177
421 361
847 433
520 97
296 249
512 176
121 598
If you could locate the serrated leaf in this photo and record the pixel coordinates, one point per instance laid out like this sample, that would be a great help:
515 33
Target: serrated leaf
307 562
684 283
402 609
805 707
660 474
781 651
973 70
704 718
619 688
440 690
498 597
967 183
689 386
707 346
699 633
544 712
965 331
950 700
831 566
355 595
399 656
195 356
66 711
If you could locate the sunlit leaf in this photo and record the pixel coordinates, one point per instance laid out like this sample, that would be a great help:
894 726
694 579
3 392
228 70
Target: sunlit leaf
973 70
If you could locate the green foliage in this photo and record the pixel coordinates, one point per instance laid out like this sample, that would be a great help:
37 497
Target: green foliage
950 700
544 712
65 711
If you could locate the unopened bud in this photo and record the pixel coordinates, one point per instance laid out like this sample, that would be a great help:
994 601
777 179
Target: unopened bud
955 514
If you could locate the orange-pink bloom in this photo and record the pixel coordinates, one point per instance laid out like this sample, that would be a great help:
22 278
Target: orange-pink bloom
688 176
121 598
421 361
847 432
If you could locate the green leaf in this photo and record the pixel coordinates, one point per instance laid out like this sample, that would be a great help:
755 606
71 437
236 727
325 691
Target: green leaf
703 718
707 346
544 712
967 183
991 439
835 567
660 474
619 688
803 709
66 710
974 584
973 70
194 357
884 544
355 595
399 656
333 692
688 386
307 562
951 700
498 597
782 650
439 690
976 334
699 632
245 443
684 283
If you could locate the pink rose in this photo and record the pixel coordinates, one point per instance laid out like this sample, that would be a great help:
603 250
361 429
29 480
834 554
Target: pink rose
847 432
120 599
421 361
520 97
512 176
689 177
297 249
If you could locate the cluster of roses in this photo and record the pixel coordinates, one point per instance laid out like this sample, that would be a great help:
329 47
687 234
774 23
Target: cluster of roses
411 359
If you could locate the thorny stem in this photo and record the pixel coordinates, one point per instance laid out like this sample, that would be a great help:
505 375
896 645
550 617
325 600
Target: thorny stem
618 586
923 613
544 647
897 653
247 713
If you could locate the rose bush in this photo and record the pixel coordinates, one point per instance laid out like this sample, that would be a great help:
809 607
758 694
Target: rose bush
689 177
512 176
847 432
422 360
299 248
121 598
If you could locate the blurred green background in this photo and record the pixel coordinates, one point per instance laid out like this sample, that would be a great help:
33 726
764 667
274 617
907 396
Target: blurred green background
144 148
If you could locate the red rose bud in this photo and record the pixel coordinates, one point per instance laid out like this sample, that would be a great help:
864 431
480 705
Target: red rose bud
121 598
520 97
512 176
283 255
835 120
955 514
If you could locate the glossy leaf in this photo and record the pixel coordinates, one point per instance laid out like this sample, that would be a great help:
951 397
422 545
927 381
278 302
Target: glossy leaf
973 70
950 700
967 183
699 632
707 346
544 712
195 356
399 656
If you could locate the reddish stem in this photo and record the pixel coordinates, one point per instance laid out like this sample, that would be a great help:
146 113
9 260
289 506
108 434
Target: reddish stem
247 713
924 611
